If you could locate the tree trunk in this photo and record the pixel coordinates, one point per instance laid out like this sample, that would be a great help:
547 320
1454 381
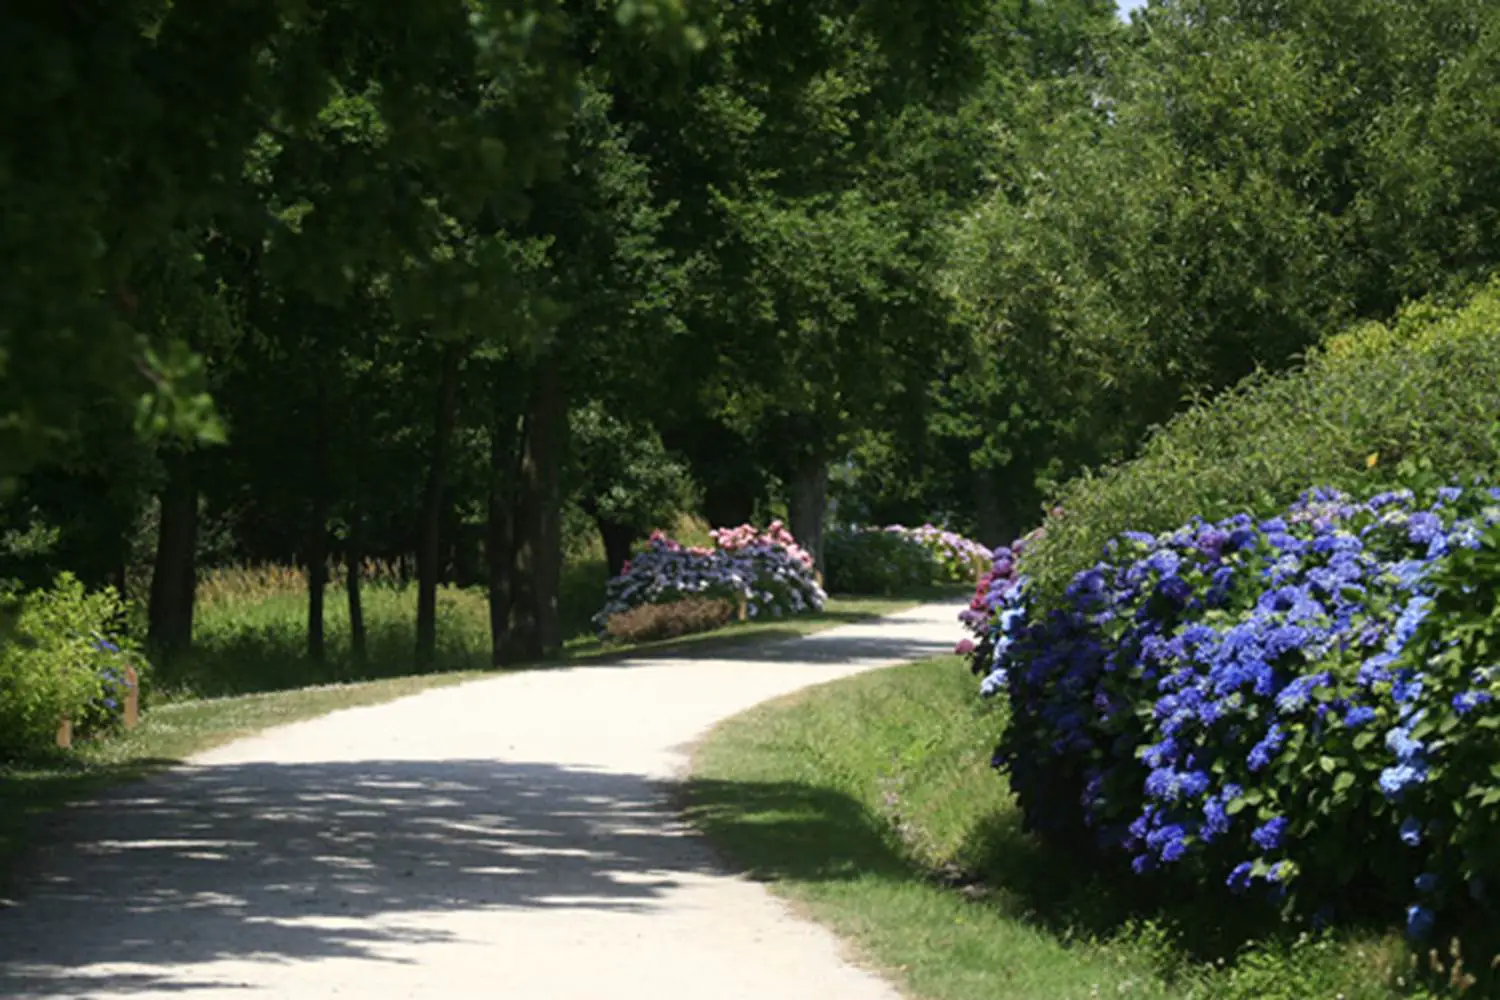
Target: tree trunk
354 556
987 507
535 624
317 587
809 488
499 542
618 539
317 531
175 575
430 542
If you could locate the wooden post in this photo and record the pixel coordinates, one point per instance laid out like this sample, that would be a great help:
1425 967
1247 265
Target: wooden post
744 610
65 734
132 698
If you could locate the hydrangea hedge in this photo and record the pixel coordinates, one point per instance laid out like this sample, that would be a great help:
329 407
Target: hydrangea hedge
956 559
871 561
895 558
766 570
1301 709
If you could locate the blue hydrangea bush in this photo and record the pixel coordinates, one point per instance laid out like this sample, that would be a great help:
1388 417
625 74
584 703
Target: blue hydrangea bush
1303 710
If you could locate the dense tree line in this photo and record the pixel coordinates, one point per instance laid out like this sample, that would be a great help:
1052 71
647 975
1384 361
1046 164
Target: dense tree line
1211 191
330 281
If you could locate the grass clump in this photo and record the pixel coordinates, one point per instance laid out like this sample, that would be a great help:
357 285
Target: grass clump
1410 404
871 802
250 632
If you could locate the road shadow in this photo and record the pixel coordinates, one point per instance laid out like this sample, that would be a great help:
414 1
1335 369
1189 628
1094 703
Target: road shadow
292 862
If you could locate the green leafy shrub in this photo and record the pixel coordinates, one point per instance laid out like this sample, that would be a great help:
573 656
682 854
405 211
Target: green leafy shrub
1410 404
871 561
667 621
64 657
955 559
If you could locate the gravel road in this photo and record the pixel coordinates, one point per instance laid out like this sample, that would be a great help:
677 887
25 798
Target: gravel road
510 837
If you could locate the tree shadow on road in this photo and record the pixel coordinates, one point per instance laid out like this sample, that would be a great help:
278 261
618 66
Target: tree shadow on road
300 862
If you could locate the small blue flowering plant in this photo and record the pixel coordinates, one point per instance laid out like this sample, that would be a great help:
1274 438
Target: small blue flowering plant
1303 709
112 656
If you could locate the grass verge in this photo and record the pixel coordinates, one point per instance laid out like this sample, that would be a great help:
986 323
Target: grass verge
870 803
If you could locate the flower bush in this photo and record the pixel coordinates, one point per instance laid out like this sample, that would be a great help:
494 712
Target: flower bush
864 560
871 561
767 570
1410 404
1302 708
64 656
990 594
956 559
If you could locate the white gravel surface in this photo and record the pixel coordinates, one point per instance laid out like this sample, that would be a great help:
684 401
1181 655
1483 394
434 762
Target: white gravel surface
509 838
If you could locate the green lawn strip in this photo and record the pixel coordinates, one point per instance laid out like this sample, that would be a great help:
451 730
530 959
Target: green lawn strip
869 801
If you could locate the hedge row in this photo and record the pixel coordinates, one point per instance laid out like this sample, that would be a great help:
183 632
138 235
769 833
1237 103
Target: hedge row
1411 404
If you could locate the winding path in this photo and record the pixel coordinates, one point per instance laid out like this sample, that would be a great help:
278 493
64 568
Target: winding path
506 838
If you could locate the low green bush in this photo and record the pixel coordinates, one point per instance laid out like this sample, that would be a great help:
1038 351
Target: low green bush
866 561
63 657
1410 404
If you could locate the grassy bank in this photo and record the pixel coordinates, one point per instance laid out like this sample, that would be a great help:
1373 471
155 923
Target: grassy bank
870 802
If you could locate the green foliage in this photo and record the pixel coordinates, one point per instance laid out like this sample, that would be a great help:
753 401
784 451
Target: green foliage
623 473
871 561
1412 404
256 642
668 621
61 660
1205 195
